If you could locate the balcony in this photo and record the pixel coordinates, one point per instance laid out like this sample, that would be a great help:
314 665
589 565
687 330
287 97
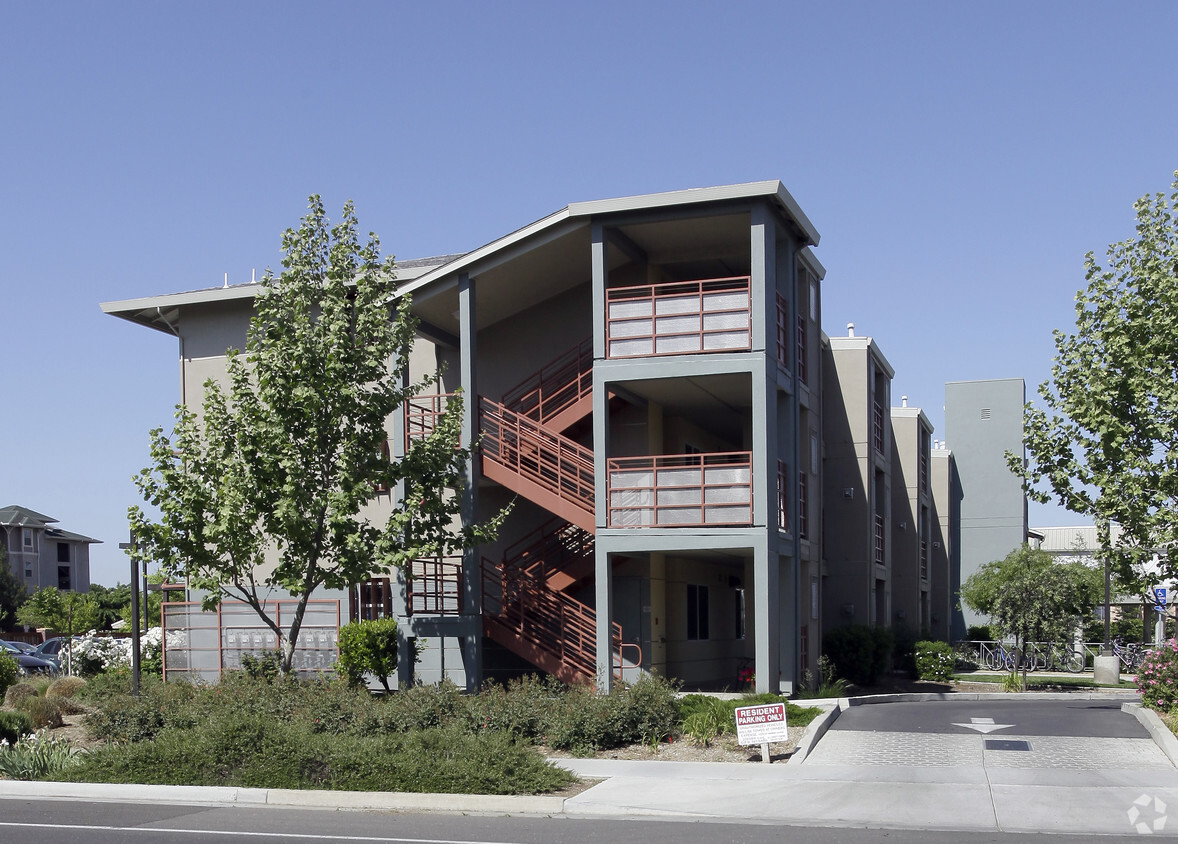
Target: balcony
782 332
782 495
679 318
879 539
681 490
435 586
878 427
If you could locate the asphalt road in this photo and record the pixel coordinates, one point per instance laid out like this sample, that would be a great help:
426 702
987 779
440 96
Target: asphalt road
1079 718
67 822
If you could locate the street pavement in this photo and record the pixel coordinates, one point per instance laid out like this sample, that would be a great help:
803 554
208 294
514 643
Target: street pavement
895 762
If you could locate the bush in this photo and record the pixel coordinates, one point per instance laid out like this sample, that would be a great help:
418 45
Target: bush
17 693
518 709
934 660
65 687
368 647
981 633
13 725
9 672
1157 677
724 711
42 711
860 653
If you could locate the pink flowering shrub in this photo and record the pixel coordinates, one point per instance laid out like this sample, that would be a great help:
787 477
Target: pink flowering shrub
1157 677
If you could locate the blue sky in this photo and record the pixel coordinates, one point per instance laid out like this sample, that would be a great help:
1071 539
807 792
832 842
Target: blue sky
959 159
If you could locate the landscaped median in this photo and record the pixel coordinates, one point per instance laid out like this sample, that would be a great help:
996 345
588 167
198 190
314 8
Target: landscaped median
254 732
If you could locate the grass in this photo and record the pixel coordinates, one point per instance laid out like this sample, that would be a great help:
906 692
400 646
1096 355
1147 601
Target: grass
1035 681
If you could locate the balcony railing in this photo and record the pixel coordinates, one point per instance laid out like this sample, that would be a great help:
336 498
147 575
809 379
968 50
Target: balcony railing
802 357
878 427
681 490
782 495
435 586
803 508
421 415
679 318
879 539
923 560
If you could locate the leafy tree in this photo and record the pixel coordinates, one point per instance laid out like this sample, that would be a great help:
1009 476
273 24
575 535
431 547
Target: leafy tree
65 613
1031 596
268 488
1105 442
12 591
368 646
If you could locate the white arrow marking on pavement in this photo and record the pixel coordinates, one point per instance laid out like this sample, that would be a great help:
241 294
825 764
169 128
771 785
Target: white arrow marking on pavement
983 725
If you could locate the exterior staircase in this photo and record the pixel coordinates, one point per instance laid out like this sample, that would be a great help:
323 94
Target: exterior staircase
526 605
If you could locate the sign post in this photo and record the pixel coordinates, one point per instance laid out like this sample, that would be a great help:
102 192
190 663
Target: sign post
760 725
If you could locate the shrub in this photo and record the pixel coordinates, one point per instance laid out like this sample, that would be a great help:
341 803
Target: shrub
934 660
13 725
17 693
368 647
1157 677
42 711
519 709
725 710
981 633
263 666
65 687
37 757
9 672
860 653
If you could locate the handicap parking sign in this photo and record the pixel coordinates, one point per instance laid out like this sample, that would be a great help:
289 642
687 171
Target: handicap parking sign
1159 595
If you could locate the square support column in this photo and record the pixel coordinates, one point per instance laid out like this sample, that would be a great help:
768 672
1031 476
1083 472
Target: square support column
472 652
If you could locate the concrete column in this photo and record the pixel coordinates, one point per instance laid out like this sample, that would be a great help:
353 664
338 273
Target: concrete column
766 622
401 596
658 613
472 652
604 611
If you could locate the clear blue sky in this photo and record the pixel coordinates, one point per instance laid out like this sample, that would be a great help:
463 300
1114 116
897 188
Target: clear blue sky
959 159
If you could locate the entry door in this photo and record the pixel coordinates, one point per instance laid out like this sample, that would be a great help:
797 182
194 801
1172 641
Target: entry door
632 611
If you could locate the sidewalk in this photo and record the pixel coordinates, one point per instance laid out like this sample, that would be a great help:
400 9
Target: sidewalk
821 792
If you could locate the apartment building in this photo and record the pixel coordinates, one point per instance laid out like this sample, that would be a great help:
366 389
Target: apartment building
857 484
643 379
944 555
983 422
41 555
912 518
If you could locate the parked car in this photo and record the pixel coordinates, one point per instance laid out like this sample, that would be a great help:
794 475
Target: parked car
29 664
23 647
50 649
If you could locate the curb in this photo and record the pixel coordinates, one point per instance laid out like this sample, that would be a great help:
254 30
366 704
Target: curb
813 735
192 795
1158 731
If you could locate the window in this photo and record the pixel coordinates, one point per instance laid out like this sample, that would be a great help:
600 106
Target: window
739 607
28 570
63 552
28 538
697 612
688 448
63 578
386 457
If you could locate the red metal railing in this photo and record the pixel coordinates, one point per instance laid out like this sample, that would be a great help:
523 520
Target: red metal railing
555 546
371 599
681 490
782 332
421 415
878 427
803 509
782 495
923 465
802 357
879 538
677 318
518 603
435 586
923 560
545 458
556 387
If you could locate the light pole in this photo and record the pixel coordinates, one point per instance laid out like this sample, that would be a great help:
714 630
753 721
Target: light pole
130 548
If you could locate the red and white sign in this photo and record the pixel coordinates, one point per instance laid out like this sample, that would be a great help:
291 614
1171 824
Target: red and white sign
761 724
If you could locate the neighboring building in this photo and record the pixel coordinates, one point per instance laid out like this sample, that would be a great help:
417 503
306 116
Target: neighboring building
643 379
984 421
913 516
857 481
944 559
41 555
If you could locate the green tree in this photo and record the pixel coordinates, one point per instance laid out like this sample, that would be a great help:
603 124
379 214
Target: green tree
65 613
1105 441
12 591
368 646
1031 596
268 488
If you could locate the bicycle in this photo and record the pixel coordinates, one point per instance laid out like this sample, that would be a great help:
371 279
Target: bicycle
1002 659
1064 658
1129 654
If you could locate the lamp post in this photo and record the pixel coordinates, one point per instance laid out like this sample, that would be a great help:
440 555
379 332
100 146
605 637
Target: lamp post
130 547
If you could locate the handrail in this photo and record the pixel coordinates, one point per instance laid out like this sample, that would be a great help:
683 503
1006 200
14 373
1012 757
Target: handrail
554 462
556 386
679 317
549 620
550 548
421 415
681 490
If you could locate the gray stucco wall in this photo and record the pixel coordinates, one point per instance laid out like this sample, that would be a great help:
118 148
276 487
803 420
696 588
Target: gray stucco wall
983 421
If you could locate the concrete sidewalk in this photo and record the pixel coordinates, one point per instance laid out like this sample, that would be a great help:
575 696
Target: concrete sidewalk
819 793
